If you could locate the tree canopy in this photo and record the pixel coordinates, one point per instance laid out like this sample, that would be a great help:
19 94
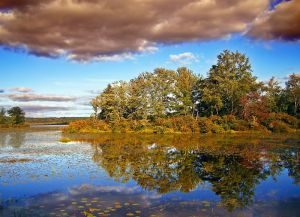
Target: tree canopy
229 89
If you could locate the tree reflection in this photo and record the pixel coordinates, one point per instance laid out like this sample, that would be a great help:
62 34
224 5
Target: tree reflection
13 139
232 166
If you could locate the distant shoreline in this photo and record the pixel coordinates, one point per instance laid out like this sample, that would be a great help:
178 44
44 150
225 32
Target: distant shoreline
32 128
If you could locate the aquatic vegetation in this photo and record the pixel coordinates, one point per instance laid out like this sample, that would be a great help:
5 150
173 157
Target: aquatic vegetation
15 160
65 140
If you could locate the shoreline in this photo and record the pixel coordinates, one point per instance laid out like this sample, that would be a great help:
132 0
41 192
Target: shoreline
40 128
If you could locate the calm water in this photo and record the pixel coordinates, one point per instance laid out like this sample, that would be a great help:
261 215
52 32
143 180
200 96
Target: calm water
119 175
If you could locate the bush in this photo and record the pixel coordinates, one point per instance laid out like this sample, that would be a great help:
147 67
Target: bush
217 129
139 125
228 122
159 130
87 126
291 121
279 127
240 125
279 122
216 119
205 125
185 124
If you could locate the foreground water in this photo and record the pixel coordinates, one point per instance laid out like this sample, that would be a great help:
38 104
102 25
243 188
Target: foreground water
127 175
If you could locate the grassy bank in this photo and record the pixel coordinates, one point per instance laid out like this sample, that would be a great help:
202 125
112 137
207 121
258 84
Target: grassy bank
275 122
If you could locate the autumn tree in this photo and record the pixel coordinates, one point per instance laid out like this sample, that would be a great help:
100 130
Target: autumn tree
229 89
254 106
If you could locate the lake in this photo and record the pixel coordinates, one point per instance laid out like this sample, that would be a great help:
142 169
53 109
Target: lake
148 175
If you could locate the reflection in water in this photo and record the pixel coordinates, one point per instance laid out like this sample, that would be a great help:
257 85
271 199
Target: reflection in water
144 175
233 171
12 139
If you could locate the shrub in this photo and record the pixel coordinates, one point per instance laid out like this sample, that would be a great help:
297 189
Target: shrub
205 125
65 140
185 124
159 130
216 119
87 126
240 125
291 121
217 129
229 122
139 125
279 127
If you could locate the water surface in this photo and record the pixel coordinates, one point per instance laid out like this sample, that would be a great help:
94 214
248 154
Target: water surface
144 175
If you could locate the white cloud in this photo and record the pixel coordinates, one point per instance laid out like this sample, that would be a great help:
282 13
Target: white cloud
21 89
184 58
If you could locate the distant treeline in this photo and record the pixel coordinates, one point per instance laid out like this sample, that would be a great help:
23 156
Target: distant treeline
52 120
169 100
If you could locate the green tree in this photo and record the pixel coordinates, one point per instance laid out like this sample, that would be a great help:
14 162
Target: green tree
138 99
293 92
2 116
273 94
112 103
17 115
162 92
210 98
232 78
185 84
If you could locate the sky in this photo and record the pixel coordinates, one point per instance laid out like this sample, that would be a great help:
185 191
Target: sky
56 55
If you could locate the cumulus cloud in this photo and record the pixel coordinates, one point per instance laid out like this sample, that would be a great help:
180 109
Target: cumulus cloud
39 97
113 30
21 89
281 23
183 58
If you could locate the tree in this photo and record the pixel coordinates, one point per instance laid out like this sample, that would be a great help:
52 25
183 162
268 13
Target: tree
17 115
111 104
138 99
273 94
293 92
2 116
185 84
162 92
208 98
254 106
232 78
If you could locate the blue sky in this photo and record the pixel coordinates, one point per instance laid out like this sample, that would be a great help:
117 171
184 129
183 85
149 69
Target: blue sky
78 81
